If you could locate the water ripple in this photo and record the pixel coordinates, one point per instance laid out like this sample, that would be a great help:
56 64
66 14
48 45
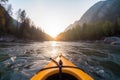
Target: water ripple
20 61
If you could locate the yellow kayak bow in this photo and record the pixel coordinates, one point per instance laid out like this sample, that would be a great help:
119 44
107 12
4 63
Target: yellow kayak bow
61 68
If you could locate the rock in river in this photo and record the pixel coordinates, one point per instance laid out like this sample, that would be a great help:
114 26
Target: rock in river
112 40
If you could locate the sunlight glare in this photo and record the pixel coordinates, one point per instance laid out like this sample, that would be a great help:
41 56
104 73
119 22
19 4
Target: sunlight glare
53 44
54 50
54 24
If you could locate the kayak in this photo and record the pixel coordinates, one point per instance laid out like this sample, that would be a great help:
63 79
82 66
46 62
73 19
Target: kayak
61 68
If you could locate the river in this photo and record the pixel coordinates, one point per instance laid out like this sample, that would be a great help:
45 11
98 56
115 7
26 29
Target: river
20 61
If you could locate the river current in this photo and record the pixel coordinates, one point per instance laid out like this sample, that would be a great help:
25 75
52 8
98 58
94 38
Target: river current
20 61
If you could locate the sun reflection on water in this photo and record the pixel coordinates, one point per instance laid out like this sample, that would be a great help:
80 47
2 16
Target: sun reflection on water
54 51
53 43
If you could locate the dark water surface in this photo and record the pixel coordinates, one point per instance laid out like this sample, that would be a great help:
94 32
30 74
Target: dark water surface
20 61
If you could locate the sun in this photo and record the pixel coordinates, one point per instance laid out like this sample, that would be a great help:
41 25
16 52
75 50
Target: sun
52 23
53 33
53 26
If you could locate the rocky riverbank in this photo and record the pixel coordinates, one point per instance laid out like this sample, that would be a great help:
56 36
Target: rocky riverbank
13 39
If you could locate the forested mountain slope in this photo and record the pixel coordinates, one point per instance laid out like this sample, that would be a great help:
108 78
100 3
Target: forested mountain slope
23 28
101 20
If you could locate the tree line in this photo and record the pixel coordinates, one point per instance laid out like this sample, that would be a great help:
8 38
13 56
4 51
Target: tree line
23 27
91 31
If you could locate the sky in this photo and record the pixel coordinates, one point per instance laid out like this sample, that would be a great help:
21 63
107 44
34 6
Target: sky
53 16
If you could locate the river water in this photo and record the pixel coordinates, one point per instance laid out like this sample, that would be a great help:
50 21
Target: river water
20 61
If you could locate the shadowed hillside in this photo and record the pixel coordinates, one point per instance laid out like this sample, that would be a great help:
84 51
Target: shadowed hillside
22 28
101 20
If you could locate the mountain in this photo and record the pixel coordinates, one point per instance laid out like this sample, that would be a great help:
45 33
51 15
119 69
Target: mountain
100 21
72 25
108 10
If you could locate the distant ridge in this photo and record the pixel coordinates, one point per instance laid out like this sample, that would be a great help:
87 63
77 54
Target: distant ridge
101 11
